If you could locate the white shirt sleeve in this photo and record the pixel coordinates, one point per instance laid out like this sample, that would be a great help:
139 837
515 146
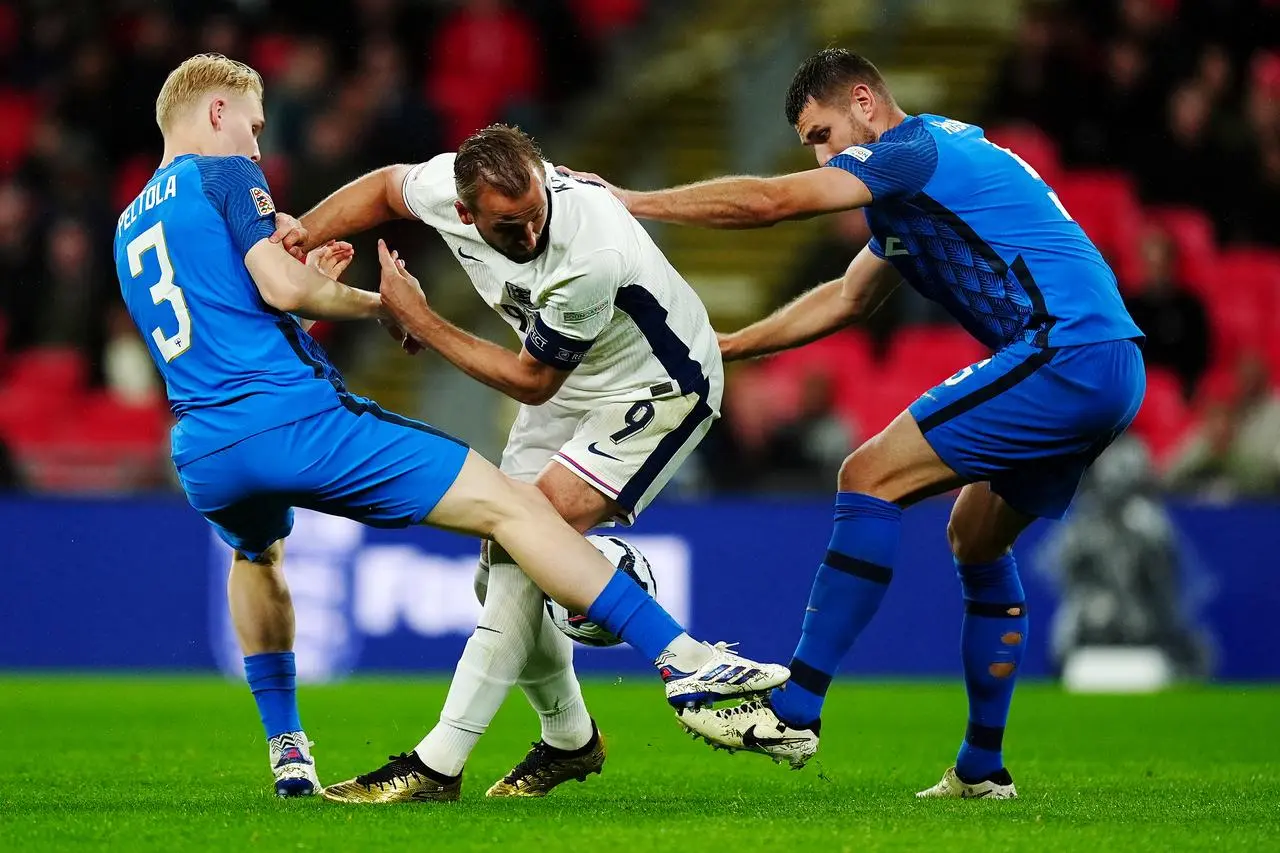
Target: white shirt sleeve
575 311
429 184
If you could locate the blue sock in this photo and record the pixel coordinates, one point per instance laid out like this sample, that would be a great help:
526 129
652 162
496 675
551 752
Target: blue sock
272 678
625 609
848 589
992 640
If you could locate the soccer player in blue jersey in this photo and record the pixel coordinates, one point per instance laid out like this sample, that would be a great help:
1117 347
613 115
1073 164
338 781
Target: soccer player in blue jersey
973 227
265 424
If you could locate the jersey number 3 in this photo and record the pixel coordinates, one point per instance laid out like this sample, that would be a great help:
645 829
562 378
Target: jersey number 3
163 290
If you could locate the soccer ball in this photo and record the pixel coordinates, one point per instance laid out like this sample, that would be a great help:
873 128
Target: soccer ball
624 556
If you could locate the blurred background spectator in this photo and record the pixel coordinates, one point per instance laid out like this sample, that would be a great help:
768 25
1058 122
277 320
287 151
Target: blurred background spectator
1156 121
1173 317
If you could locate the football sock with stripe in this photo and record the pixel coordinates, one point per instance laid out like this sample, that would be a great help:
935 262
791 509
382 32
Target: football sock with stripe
847 591
625 609
272 678
992 640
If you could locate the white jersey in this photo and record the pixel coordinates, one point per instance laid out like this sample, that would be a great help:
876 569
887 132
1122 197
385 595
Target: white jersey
600 300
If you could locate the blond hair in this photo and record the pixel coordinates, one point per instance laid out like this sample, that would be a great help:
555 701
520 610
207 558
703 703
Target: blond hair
199 75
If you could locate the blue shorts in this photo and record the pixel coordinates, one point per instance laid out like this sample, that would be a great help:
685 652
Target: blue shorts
1029 421
357 461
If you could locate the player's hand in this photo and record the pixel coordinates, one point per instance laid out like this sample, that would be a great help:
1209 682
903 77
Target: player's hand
593 178
332 259
728 346
400 336
292 234
402 296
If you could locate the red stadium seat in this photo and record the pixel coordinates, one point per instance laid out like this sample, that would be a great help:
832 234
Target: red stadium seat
271 53
836 356
1032 145
923 356
872 401
103 420
1192 233
1164 415
131 177
1244 300
53 370
1106 206
18 113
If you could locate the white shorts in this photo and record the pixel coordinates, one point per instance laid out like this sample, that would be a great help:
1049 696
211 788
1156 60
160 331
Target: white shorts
627 451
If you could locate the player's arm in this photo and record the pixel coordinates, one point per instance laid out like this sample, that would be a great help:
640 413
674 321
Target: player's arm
749 202
818 312
521 376
302 289
367 201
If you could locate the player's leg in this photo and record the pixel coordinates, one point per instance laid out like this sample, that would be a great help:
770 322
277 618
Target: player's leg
478 687
982 530
570 746
892 470
399 472
258 598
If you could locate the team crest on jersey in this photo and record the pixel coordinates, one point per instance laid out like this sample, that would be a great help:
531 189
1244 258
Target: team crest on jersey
262 201
519 295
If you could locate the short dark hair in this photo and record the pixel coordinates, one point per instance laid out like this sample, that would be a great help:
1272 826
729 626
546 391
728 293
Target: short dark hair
828 71
501 156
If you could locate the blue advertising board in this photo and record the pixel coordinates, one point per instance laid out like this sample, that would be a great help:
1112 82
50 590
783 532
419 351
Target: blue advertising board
140 583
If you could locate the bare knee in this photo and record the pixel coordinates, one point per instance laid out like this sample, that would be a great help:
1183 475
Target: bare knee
970 546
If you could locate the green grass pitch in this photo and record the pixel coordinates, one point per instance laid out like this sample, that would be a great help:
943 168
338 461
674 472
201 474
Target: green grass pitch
179 764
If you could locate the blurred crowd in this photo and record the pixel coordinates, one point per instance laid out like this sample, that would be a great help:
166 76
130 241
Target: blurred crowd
1158 121
1179 98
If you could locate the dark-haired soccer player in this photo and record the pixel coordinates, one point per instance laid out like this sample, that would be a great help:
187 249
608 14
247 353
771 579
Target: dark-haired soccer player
973 227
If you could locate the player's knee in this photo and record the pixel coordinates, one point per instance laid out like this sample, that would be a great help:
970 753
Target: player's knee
271 558
970 547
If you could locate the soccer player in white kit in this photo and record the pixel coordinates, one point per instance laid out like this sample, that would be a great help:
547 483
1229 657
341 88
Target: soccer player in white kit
620 377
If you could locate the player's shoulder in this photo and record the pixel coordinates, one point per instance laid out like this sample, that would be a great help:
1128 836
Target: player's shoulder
428 185
943 128
224 167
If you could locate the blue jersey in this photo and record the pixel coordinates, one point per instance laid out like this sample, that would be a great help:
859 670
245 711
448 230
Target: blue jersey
233 366
971 226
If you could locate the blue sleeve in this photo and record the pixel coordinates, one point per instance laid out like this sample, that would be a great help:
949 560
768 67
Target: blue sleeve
874 245
237 189
891 169
555 348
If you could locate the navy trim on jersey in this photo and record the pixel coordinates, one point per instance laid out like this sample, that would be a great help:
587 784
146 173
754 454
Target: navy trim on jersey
290 329
1021 371
676 359
361 406
672 353
1041 320
662 455
553 348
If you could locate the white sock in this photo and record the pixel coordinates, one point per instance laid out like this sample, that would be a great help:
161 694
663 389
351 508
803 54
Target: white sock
684 653
492 660
552 689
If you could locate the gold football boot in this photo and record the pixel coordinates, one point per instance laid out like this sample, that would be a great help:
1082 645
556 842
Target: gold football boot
404 779
545 767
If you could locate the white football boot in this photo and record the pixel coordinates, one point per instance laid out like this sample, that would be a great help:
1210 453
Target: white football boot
725 675
997 786
293 766
754 727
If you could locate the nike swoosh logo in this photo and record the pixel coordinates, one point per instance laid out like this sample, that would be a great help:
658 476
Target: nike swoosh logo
468 257
593 449
750 741
965 795
486 628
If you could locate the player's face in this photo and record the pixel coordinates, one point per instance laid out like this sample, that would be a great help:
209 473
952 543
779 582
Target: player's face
512 226
238 119
830 128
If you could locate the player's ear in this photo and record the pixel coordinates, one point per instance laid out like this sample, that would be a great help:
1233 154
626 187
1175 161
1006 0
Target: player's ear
463 214
863 99
216 106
